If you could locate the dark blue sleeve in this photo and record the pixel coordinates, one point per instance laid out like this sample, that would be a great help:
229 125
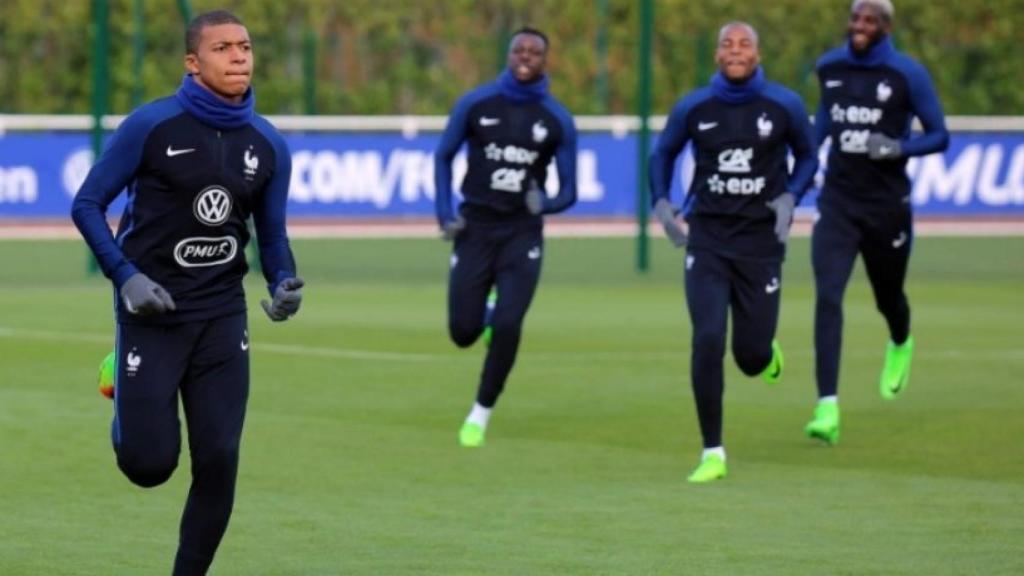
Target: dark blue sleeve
451 140
269 214
115 169
671 142
926 106
802 144
822 124
565 163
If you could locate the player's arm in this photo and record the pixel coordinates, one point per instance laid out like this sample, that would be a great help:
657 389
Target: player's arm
802 143
565 164
822 124
661 167
451 140
926 106
670 144
276 257
110 174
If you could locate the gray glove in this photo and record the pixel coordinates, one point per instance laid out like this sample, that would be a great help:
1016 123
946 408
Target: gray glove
143 297
881 147
452 228
287 298
666 214
783 207
534 198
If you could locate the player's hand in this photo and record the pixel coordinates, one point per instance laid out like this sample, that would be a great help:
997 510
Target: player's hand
452 228
143 297
881 147
534 198
666 214
287 298
783 207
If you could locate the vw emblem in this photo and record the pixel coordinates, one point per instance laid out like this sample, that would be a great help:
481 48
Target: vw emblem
212 206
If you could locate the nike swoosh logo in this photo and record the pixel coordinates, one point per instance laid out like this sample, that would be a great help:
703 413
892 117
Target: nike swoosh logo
900 240
171 152
485 121
833 83
773 287
706 126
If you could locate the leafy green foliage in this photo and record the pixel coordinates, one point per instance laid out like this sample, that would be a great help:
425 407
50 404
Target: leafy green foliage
399 57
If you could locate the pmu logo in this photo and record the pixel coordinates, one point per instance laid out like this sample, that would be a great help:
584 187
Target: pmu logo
203 251
212 206
735 160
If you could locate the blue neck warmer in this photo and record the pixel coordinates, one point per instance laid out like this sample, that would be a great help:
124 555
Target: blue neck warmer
874 56
517 91
738 92
212 110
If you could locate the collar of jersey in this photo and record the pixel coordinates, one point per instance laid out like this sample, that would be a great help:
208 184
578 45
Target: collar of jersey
517 91
213 111
875 56
738 92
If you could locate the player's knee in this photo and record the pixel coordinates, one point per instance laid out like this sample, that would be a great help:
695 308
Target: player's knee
708 345
752 362
505 327
464 334
829 298
147 471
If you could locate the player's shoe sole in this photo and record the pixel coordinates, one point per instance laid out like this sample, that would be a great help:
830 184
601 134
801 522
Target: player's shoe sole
773 373
712 467
471 435
825 424
896 369
106 376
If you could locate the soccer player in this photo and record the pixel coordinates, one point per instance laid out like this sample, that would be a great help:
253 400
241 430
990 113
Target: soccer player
870 93
196 165
513 128
738 208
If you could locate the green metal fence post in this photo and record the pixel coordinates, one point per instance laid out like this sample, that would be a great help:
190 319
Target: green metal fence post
100 87
643 112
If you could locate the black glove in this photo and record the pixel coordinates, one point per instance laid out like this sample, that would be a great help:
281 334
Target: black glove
666 214
452 228
143 297
881 147
783 207
287 298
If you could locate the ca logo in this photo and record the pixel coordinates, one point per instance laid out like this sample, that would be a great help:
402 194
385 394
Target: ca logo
212 206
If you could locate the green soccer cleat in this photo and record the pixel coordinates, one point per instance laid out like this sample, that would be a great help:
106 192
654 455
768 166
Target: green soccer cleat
825 425
712 467
896 370
471 435
106 376
773 373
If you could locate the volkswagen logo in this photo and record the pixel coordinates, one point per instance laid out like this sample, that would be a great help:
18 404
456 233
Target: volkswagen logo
212 206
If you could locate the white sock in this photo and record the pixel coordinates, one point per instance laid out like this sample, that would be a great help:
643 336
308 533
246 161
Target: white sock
833 399
479 415
717 451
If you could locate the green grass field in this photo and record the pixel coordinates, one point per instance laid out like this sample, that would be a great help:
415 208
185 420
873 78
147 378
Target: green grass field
350 463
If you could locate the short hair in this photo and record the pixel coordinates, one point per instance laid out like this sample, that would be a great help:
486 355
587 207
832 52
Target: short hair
194 31
884 6
531 32
751 29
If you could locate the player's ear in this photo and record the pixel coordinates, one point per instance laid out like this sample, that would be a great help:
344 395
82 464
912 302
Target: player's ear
192 63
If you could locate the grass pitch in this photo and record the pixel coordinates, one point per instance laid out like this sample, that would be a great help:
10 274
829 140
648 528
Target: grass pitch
350 463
